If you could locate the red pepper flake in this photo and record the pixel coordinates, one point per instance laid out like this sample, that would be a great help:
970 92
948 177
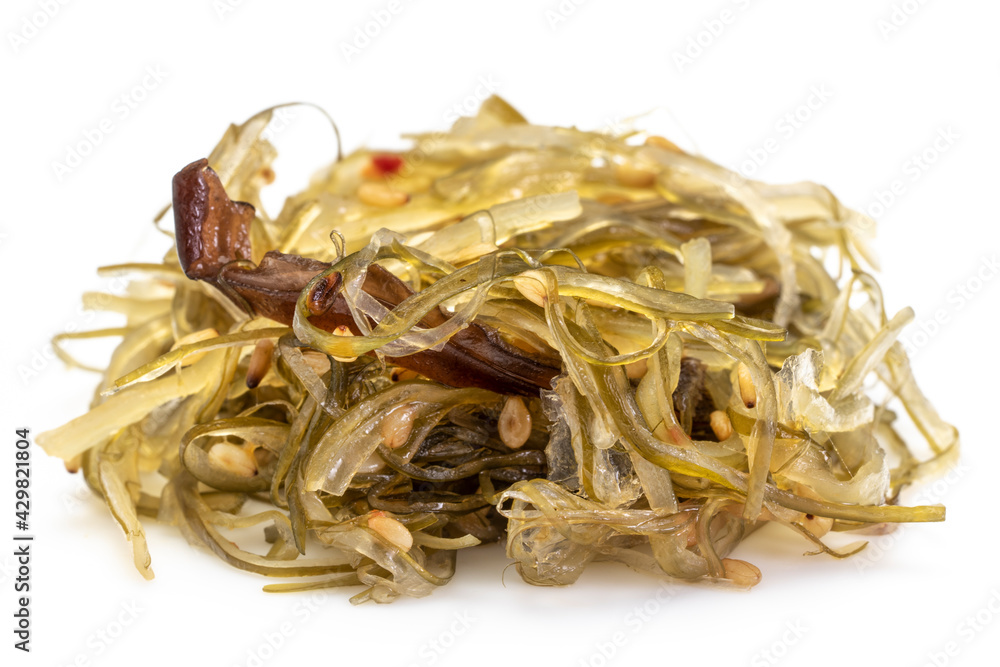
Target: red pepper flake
387 163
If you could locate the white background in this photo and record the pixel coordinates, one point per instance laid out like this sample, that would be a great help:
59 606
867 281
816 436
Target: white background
889 91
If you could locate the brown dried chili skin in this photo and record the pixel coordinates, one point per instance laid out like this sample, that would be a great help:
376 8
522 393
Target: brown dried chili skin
213 244
217 229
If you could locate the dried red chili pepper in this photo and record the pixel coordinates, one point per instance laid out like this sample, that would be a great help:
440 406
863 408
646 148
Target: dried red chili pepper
213 245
